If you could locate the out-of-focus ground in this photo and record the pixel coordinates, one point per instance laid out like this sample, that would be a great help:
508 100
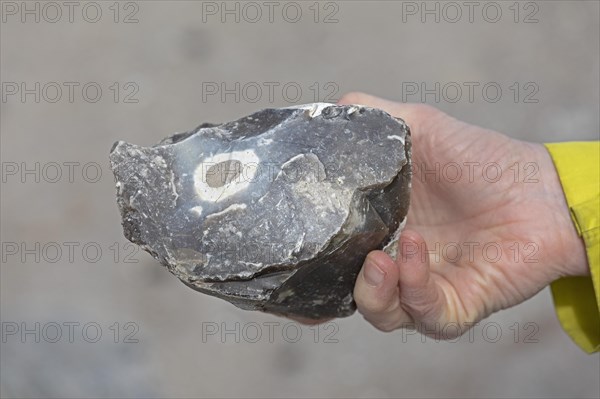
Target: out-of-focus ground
167 61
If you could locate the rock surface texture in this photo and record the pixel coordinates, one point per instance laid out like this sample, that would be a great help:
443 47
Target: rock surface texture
275 211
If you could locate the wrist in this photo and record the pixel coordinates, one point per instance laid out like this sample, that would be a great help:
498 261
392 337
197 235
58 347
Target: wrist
566 249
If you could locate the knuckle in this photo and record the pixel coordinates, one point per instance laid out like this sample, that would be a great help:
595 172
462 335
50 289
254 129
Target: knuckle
371 305
424 310
352 97
386 326
376 305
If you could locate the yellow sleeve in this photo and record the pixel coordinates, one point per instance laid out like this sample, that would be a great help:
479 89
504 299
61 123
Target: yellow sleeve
577 299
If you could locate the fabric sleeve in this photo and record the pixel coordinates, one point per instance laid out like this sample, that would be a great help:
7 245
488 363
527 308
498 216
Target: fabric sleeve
577 299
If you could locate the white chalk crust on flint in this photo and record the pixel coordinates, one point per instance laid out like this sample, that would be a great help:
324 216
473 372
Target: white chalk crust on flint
275 211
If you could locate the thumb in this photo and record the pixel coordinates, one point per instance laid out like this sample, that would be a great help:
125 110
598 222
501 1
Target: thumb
376 292
420 294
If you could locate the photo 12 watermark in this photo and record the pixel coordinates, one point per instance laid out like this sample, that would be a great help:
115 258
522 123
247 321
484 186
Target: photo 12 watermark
269 332
52 172
452 12
252 12
53 12
35 92
470 92
467 252
471 172
91 332
72 252
288 92
489 332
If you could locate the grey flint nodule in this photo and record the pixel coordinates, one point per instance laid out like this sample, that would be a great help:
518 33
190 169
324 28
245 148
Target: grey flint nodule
275 211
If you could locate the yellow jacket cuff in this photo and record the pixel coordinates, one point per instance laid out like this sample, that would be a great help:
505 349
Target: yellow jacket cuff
577 299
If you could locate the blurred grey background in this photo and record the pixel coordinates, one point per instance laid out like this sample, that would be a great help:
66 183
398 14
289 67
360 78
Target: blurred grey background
157 64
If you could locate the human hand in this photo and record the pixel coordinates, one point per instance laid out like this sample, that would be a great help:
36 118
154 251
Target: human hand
472 245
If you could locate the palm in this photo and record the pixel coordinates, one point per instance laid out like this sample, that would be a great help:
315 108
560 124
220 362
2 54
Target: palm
474 224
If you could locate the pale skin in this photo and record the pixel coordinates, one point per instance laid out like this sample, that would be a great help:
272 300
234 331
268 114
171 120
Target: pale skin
523 214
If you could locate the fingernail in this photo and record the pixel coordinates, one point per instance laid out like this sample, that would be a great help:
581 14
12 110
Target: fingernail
374 276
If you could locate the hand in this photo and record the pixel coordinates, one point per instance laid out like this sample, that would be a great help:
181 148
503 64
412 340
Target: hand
472 245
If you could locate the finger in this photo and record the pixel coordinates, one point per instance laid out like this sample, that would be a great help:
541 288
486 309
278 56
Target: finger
420 296
370 101
376 292
417 116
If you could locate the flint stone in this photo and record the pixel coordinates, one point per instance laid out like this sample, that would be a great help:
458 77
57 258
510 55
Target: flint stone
275 211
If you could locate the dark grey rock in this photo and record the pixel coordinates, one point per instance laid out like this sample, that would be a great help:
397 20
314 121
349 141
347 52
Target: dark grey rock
275 211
